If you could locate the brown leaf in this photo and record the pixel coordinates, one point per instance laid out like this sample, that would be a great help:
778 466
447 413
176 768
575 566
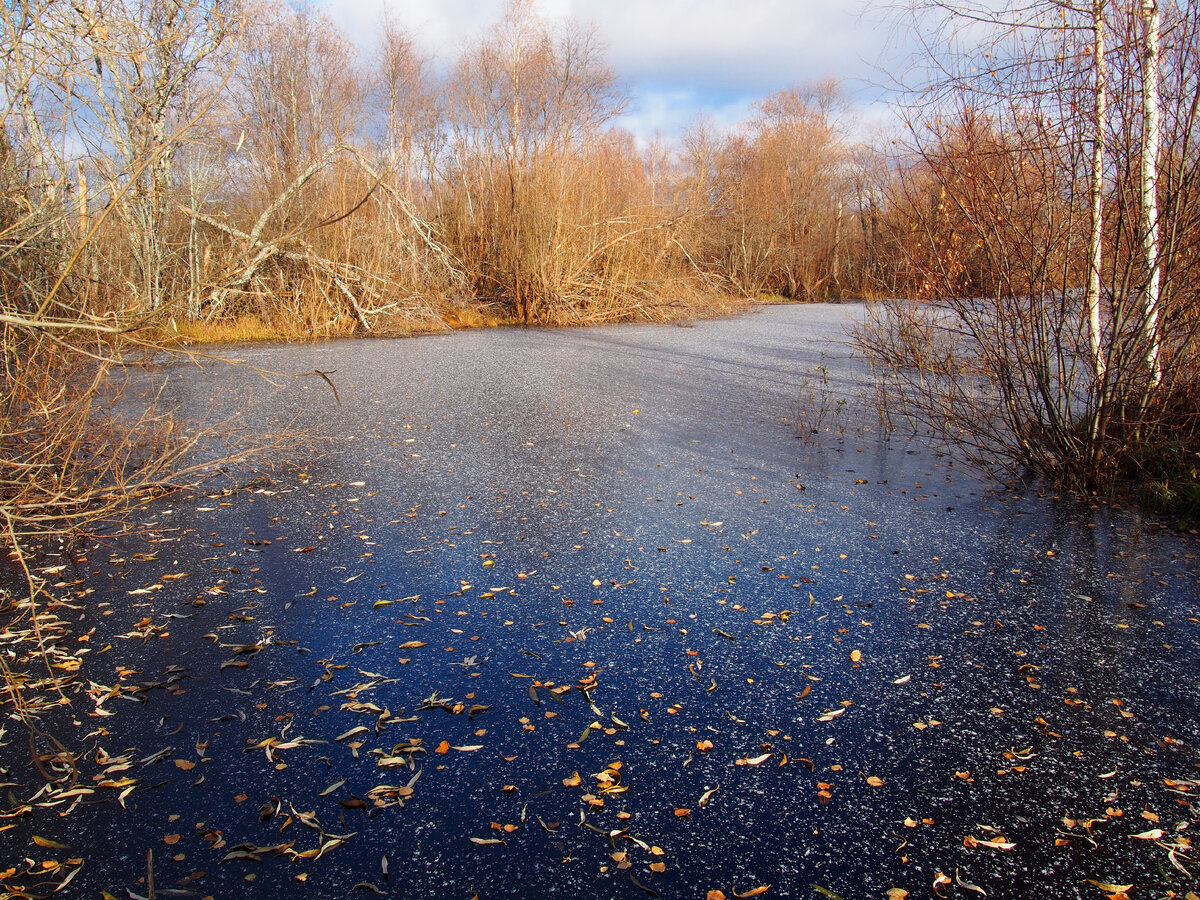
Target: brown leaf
185 764
753 892
875 781
682 813
171 840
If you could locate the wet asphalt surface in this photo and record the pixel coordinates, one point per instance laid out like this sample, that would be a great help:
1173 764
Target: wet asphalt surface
825 659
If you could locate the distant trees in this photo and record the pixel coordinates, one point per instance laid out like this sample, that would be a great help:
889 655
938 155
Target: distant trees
238 158
782 189
1047 210
525 120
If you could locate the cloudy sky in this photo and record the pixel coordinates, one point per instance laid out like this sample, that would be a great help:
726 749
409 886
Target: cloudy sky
675 57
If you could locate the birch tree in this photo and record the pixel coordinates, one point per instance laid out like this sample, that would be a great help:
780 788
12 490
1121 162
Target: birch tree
1151 148
1035 180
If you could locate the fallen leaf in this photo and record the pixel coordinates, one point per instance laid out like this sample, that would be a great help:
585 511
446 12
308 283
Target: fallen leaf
333 787
1153 834
855 656
682 813
973 842
1111 888
753 892
49 844
967 886
875 781
754 761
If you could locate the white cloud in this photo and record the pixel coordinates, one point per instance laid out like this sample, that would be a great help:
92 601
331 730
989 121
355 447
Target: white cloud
675 56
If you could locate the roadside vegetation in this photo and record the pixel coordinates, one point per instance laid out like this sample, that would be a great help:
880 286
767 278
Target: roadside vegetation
1049 187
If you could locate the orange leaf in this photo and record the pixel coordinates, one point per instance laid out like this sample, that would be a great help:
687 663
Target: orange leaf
443 747
753 892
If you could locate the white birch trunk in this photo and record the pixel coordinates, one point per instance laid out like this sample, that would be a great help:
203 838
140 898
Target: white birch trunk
1151 141
1095 255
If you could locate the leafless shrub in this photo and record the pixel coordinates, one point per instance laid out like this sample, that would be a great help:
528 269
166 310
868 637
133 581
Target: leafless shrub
991 217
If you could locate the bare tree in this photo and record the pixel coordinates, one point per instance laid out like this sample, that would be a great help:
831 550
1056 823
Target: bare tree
1057 332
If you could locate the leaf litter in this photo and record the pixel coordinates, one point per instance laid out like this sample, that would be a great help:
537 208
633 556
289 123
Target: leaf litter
639 750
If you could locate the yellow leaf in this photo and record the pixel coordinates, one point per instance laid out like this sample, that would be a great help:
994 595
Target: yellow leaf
1112 888
875 781
49 844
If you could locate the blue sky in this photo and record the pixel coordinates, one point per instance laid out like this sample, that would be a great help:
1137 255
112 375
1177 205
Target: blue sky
675 57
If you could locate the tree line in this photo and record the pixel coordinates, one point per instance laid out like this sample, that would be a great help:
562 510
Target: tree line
211 159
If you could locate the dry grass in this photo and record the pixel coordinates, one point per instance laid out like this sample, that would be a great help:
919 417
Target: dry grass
242 330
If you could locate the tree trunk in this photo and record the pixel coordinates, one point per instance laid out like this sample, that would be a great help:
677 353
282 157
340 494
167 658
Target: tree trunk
1095 250
1151 142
